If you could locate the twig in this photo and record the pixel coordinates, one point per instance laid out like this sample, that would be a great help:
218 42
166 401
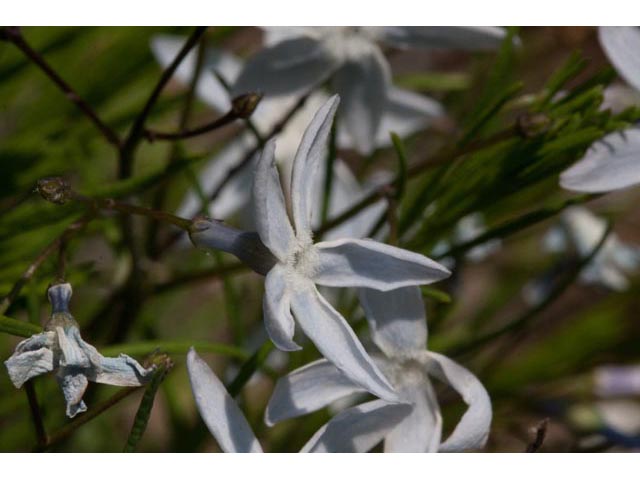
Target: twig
14 36
226 119
36 415
137 130
31 270
541 433
72 426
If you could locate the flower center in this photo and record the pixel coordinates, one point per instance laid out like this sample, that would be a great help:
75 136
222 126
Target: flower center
303 260
405 371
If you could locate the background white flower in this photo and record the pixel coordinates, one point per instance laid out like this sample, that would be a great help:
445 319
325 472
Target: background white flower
297 59
230 428
398 324
583 230
405 113
61 348
613 162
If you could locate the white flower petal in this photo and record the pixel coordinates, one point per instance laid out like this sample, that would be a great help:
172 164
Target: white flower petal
397 319
473 429
464 38
420 431
337 342
306 390
371 264
31 358
271 217
611 163
362 83
288 67
219 411
273 35
278 320
122 371
73 383
311 152
622 46
73 355
235 194
357 429
208 89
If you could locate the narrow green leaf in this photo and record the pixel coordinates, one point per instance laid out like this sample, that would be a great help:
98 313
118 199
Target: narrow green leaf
18 328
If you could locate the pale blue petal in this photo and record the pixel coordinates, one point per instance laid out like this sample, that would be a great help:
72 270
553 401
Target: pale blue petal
357 429
362 83
271 216
622 46
472 431
218 410
420 431
306 390
288 67
370 264
397 319
278 320
311 152
464 38
73 382
31 358
337 342
610 164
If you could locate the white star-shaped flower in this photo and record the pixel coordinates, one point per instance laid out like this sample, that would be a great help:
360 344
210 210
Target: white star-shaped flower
298 264
61 348
398 324
581 229
297 59
613 162
405 113
230 428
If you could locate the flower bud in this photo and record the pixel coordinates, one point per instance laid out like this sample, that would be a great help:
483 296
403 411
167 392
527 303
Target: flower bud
244 105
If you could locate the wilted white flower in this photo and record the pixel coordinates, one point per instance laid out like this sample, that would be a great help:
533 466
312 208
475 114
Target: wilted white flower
300 58
398 324
584 230
230 428
613 162
406 112
297 265
61 348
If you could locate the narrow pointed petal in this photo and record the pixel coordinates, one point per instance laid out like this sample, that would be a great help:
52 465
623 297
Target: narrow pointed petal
123 371
362 83
208 89
273 35
73 383
357 429
31 358
371 264
278 320
420 431
472 431
337 342
306 390
271 217
311 152
622 46
610 164
463 38
73 354
219 411
397 319
288 67
407 112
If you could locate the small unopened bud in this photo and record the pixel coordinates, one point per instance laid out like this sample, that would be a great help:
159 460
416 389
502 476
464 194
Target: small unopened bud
532 125
246 246
54 190
244 105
